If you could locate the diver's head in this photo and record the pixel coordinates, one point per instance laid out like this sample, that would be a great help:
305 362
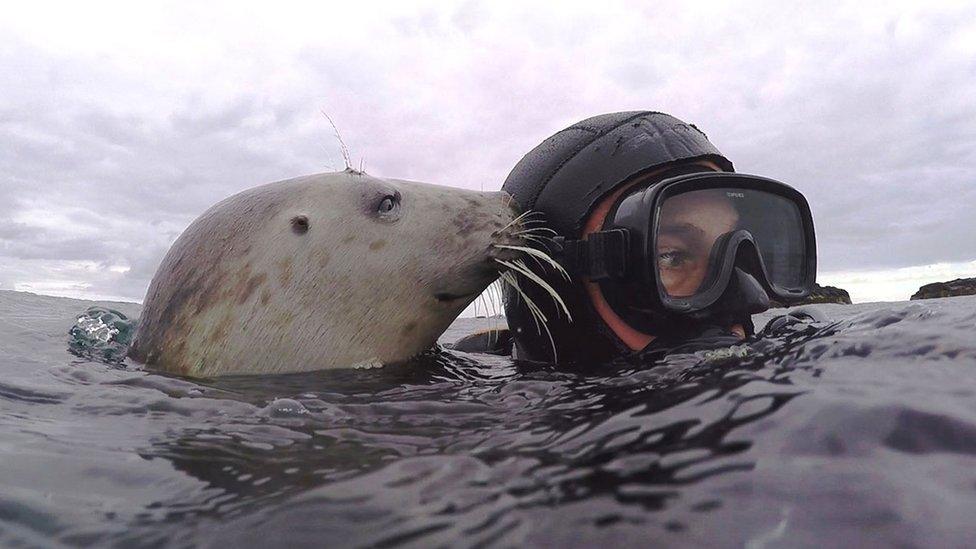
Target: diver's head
663 242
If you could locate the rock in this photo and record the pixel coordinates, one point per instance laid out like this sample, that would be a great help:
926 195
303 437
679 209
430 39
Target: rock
959 286
819 294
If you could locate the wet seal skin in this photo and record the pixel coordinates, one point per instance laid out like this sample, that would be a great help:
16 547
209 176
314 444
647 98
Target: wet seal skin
331 270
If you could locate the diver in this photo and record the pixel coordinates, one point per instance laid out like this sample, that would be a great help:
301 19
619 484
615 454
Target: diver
666 247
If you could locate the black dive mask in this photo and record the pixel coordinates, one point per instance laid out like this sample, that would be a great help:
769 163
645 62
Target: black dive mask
699 249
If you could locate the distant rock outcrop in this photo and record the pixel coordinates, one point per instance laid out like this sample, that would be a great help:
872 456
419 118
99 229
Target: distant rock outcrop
819 294
959 286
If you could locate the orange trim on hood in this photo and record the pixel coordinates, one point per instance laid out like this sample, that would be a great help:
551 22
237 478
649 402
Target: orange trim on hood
631 337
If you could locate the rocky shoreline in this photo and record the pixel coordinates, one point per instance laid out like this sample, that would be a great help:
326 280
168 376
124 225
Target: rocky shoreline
935 290
953 288
820 294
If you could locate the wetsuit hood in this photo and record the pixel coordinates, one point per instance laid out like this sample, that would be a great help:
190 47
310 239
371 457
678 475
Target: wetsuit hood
564 178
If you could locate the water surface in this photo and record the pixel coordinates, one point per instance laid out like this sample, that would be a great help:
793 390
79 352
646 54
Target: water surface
861 431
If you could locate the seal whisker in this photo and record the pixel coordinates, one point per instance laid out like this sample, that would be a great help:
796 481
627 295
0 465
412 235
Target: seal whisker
534 310
536 230
535 238
533 216
508 200
491 313
534 234
342 144
539 256
538 240
518 218
520 267
480 299
525 270
484 303
494 290
537 262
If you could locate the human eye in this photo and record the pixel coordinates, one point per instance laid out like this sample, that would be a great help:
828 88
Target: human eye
672 259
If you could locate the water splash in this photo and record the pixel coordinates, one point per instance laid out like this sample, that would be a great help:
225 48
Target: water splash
101 334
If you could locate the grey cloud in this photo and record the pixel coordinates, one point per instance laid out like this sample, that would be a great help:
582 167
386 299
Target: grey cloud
130 183
878 134
81 249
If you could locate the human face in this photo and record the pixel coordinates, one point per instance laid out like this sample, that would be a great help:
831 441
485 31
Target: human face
631 337
689 225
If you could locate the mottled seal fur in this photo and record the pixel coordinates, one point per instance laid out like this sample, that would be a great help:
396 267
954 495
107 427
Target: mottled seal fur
334 270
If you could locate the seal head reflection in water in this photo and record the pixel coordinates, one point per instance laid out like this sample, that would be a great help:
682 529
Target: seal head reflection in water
334 270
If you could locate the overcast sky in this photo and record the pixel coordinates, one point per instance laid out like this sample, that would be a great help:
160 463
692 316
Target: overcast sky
119 124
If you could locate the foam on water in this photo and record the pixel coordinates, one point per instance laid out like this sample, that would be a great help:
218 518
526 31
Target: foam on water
858 431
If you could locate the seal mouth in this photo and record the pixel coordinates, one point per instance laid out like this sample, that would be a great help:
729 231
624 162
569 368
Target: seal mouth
446 297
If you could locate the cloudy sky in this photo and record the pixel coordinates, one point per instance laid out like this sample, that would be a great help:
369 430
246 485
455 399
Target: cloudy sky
120 123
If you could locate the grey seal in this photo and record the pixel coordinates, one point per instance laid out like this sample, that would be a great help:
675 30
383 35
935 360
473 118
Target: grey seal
333 270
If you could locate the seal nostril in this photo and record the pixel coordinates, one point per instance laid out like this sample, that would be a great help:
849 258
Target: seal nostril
299 224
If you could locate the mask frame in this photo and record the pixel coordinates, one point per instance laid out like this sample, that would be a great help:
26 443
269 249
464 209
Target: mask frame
621 257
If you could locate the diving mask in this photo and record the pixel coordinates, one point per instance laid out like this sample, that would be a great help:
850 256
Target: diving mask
699 245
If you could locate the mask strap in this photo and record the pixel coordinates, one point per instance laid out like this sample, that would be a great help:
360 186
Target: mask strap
601 256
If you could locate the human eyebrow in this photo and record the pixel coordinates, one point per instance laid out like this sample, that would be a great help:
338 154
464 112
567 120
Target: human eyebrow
686 234
681 228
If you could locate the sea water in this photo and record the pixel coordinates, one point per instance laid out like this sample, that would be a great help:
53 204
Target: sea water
860 431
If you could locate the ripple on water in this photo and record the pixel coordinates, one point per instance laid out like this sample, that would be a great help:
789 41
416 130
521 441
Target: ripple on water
855 431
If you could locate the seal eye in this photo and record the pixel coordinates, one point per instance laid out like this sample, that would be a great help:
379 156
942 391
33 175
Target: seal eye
388 205
299 224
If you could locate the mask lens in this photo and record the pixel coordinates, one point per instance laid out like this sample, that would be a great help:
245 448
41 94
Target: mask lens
690 224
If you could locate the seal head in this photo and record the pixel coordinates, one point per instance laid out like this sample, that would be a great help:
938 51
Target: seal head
332 270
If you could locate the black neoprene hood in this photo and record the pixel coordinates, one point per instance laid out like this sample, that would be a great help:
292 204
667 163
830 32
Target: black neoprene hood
564 178
567 174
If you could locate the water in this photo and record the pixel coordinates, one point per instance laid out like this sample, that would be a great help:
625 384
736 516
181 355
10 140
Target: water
858 432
